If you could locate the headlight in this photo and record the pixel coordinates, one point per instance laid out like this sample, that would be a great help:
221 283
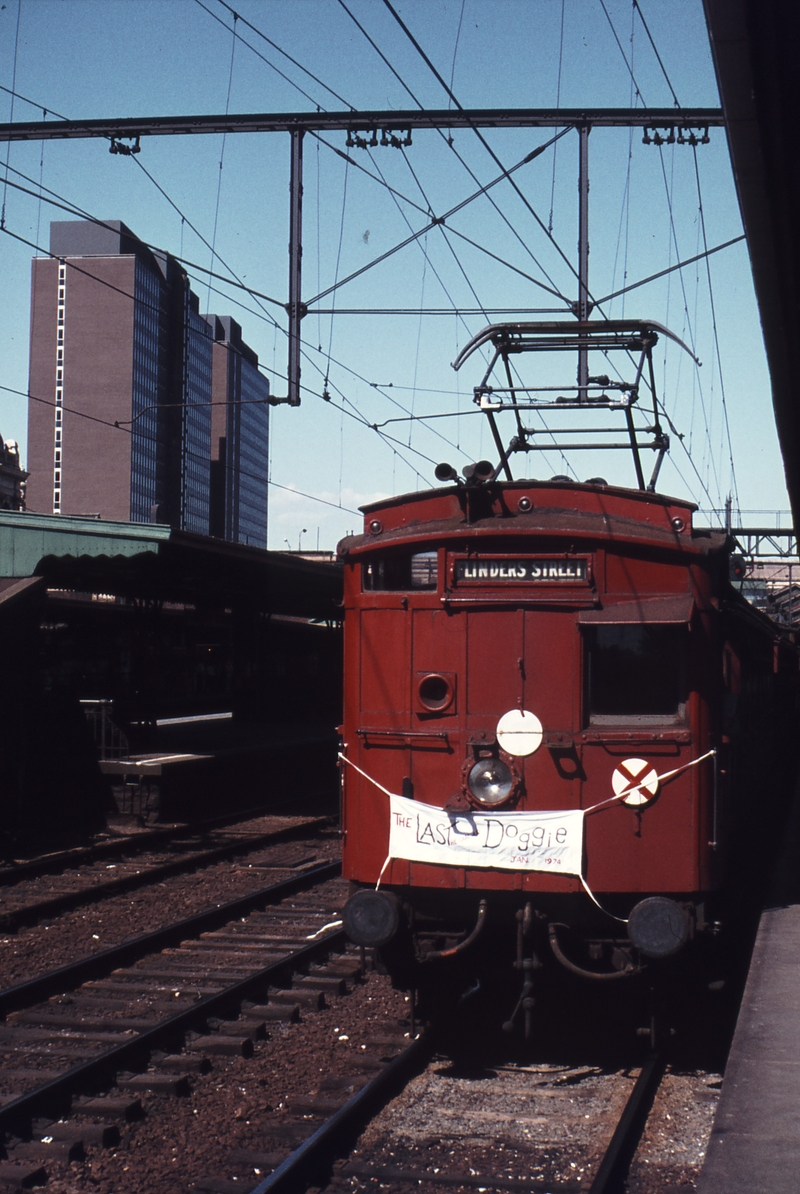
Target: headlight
490 781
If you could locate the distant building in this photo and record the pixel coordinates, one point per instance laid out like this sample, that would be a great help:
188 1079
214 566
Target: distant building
239 438
121 390
12 476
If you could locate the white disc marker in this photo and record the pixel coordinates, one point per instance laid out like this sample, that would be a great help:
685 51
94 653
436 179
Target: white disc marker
519 732
637 775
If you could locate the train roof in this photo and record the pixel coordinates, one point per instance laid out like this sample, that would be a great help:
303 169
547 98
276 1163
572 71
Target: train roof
587 511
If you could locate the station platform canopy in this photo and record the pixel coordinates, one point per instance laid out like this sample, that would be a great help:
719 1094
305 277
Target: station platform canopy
756 48
154 562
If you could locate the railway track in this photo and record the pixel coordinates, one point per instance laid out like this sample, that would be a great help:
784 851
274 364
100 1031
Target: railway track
89 1049
65 883
291 1114
143 1017
386 1156
104 847
516 1128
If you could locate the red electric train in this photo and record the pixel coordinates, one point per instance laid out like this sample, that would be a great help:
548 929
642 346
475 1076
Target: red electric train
543 686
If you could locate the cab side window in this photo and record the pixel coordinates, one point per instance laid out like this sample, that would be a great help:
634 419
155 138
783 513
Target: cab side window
636 673
402 572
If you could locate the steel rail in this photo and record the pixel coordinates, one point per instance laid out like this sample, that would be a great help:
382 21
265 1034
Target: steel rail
340 1130
54 1097
308 1163
31 913
389 120
610 1177
65 978
135 843
64 860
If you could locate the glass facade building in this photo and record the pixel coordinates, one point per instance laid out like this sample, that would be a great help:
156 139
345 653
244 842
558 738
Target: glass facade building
195 437
240 438
150 384
248 457
118 345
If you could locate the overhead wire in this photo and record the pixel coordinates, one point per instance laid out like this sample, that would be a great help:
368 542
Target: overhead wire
294 61
116 426
622 52
638 9
263 57
11 118
418 344
42 144
484 142
424 246
715 329
336 276
679 265
354 414
673 231
458 37
222 150
671 193
227 282
300 89
268 298
249 24
319 240
449 141
33 103
425 211
482 139
429 205
558 105
73 209
441 226
625 212
250 290
690 328
440 220
275 46
193 266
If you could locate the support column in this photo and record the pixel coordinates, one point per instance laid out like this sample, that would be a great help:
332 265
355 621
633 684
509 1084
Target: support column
295 307
583 308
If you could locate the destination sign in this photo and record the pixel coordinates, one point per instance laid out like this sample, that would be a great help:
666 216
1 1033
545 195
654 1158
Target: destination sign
535 570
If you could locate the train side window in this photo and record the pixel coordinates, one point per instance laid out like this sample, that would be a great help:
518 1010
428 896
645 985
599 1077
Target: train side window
401 572
424 570
636 673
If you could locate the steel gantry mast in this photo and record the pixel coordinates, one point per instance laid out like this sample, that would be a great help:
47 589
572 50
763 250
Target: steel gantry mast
384 128
583 306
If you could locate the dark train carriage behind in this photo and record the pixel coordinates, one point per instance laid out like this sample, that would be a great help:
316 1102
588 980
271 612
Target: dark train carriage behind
526 666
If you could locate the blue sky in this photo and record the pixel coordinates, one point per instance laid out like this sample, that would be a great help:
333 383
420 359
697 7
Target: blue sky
105 58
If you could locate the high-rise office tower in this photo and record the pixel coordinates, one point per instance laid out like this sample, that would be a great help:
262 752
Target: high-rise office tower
120 409
239 438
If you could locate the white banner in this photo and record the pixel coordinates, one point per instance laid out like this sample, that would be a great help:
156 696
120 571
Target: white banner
510 841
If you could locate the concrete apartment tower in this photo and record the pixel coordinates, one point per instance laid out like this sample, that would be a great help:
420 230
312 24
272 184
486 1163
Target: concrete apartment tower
121 392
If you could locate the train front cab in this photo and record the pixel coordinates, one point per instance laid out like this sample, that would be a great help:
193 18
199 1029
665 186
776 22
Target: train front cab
617 652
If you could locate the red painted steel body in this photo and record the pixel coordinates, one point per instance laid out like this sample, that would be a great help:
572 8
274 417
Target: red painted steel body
477 633
496 643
